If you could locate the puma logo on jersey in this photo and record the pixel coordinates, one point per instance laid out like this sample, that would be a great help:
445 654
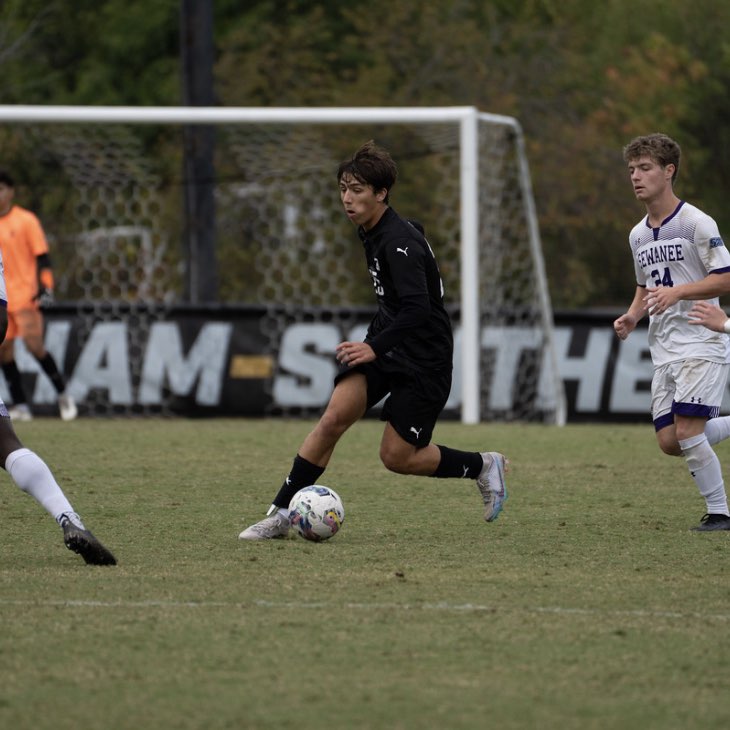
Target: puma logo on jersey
417 431
404 251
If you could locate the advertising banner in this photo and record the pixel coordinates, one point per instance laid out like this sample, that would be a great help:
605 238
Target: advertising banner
231 361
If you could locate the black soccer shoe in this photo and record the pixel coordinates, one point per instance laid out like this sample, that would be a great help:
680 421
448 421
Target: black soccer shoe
713 522
81 541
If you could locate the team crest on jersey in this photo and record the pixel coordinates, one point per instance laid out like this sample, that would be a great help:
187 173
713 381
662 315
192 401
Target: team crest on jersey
716 242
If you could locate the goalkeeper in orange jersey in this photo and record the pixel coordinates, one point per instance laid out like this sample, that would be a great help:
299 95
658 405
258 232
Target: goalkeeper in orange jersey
29 282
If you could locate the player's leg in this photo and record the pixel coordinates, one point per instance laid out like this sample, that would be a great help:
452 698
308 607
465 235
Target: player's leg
32 475
706 471
30 325
412 410
717 429
700 387
402 457
20 410
348 404
663 388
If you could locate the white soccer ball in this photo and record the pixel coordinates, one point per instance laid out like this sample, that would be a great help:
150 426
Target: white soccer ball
316 512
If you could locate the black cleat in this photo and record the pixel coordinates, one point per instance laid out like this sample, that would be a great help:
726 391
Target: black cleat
713 522
81 541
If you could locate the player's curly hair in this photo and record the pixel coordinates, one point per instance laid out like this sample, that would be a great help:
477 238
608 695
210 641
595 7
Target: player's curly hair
371 165
7 178
658 147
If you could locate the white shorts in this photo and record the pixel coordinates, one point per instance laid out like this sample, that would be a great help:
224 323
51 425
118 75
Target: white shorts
691 388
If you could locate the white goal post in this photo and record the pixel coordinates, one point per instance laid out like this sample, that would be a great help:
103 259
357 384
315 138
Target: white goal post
503 296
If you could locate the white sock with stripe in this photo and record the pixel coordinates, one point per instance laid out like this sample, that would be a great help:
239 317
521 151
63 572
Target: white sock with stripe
32 475
704 466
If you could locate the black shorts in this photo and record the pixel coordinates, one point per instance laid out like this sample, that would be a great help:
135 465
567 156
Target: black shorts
414 401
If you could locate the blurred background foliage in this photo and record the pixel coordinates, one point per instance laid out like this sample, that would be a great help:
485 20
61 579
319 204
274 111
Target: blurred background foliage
582 78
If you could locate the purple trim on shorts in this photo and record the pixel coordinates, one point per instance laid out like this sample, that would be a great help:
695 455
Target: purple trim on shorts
663 421
695 410
691 410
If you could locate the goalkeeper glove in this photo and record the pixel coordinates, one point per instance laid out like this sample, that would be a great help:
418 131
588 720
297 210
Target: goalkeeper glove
45 297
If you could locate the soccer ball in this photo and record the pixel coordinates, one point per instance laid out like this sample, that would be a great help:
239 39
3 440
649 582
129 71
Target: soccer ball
316 512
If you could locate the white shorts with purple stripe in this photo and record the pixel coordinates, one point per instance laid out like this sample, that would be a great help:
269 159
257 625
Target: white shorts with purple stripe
692 388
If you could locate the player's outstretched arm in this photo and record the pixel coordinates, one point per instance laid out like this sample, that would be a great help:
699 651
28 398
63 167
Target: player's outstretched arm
708 315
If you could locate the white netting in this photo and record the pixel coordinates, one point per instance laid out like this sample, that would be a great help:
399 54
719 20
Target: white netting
110 197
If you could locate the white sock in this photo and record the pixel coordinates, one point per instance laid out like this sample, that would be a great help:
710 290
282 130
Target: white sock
704 466
33 476
717 429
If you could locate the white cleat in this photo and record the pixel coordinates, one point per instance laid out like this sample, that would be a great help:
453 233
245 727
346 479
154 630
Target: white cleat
270 528
20 412
67 407
492 485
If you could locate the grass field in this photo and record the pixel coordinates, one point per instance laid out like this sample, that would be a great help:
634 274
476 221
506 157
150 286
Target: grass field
588 604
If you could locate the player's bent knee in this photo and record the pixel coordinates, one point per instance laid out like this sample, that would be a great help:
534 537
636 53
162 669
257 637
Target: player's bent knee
395 461
395 465
670 448
333 424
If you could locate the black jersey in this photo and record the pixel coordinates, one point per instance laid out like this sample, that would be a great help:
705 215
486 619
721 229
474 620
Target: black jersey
411 327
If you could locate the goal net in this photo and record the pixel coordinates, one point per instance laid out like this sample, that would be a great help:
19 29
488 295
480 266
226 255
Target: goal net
108 185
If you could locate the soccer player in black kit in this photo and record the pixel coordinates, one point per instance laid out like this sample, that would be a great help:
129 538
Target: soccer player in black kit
407 355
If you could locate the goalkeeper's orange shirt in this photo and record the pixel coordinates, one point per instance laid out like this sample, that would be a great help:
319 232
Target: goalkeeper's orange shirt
21 241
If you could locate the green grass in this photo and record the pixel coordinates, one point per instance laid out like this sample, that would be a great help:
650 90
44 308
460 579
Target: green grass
588 604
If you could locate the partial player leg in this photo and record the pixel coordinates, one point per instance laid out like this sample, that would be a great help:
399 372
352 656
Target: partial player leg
66 403
32 475
30 325
347 405
705 469
442 462
717 429
412 410
20 410
699 389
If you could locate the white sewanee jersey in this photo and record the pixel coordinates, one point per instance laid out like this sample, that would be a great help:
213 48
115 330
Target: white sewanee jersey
685 248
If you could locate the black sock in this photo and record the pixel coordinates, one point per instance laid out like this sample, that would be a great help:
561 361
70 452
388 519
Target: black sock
458 464
15 382
51 370
303 474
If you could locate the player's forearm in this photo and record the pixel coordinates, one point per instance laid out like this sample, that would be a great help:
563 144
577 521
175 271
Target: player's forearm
637 308
713 285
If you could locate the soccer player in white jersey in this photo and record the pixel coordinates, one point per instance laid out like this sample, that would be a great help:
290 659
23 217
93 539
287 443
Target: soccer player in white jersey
679 258
31 474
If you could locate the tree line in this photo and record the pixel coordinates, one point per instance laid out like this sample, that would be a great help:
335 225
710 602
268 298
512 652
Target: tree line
582 78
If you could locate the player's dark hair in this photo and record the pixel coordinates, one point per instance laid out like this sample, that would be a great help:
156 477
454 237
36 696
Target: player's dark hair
371 165
658 147
7 178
